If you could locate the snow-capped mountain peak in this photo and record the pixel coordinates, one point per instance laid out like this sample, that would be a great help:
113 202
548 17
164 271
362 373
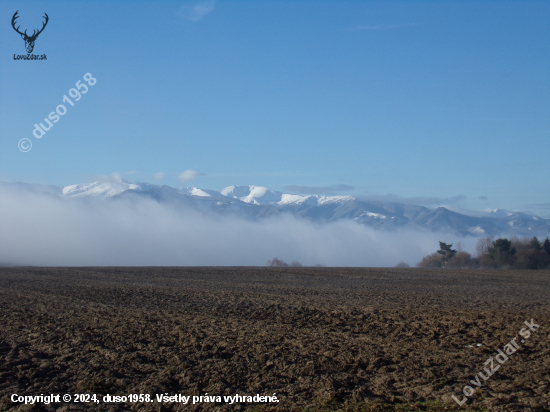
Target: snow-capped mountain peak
256 195
259 195
195 191
103 189
254 202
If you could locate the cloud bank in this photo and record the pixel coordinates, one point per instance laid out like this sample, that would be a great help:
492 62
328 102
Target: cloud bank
42 229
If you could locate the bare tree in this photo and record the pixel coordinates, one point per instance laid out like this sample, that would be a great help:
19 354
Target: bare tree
275 262
483 246
463 260
434 260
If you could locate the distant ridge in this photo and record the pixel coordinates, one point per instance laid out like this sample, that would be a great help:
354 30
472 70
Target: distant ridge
255 202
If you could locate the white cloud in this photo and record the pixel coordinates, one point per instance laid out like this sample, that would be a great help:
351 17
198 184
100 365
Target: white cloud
188 175
196 11
159 175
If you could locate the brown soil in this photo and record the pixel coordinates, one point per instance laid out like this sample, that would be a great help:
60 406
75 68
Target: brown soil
320 338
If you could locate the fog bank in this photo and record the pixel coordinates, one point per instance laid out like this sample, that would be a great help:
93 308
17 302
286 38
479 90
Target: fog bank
44 230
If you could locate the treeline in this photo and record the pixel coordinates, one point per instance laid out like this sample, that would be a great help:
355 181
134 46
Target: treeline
514 253
278 263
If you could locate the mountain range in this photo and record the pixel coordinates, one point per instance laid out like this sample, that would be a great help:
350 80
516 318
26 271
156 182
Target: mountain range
254 202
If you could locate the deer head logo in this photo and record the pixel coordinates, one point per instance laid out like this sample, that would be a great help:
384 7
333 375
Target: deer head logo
29 40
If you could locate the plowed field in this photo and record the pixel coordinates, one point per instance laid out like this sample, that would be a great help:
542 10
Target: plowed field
321 339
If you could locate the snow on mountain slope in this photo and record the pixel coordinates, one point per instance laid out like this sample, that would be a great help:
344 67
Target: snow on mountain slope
253 194
103 189
195 191
499 213
263 196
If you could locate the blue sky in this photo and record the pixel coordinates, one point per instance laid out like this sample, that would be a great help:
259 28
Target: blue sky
446 100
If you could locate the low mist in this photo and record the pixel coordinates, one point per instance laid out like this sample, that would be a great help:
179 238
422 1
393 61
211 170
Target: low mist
44 230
